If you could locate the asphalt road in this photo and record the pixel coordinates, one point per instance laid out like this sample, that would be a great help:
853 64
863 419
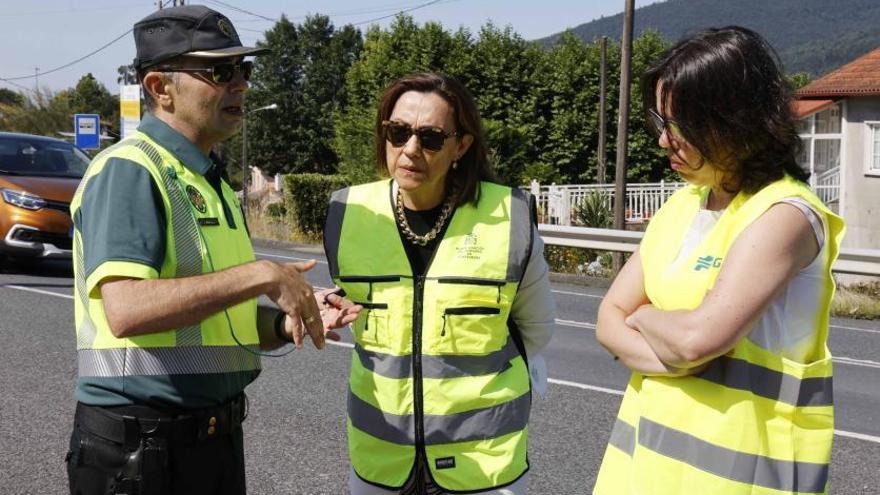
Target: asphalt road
295 431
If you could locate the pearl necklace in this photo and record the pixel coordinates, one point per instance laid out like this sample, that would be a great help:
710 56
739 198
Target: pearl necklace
423 240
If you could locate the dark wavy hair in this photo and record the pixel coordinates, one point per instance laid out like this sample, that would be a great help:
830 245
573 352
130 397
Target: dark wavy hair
474 165
728 95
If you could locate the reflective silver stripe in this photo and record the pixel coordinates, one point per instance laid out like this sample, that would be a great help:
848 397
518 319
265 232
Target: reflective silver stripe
623 436
772 384
187 244
788 476
520 235
391 366
333 229
85 330
166 360
386 365
479 424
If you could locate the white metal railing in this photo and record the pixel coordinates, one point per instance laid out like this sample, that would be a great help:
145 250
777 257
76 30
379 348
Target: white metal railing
852 261
827 185
557 204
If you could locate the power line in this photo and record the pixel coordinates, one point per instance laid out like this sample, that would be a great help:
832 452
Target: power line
233 7
56 69
25 88
432 2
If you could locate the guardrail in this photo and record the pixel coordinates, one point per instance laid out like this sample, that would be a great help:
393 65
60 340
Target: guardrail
851 261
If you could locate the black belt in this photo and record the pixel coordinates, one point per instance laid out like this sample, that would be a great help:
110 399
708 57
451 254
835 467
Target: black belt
184 427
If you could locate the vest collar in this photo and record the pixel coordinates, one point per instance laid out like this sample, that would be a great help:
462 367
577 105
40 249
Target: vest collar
182 148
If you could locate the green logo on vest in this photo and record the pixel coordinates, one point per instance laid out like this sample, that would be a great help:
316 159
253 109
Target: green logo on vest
707 262
196 198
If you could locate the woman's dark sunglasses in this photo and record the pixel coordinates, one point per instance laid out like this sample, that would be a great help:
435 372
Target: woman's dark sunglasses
220 73
659 123
431 138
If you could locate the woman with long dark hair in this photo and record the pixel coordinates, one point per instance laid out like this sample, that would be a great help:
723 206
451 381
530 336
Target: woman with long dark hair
722 314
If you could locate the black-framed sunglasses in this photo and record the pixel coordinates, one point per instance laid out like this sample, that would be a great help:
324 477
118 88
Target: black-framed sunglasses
659 123
220 73
431 138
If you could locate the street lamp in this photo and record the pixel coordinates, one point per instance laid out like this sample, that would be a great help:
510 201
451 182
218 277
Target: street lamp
245 172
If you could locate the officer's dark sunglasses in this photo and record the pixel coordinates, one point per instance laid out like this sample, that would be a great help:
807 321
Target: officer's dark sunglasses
431 138
659 123
220 73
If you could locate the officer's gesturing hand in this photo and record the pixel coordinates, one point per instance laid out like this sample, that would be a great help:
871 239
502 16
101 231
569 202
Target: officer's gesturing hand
295 296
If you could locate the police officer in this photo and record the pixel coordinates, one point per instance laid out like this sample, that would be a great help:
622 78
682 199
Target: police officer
168 328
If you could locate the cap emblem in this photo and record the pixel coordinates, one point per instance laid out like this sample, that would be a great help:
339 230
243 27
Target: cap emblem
226 28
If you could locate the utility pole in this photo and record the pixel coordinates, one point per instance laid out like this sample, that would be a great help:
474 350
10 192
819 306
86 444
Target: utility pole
603 89
623 127
37 79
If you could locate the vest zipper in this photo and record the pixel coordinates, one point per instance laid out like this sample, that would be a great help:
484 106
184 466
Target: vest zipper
418 403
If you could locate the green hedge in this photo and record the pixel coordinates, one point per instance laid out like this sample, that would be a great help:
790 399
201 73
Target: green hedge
306 197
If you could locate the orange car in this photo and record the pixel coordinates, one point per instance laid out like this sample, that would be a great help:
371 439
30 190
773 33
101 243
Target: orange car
38 177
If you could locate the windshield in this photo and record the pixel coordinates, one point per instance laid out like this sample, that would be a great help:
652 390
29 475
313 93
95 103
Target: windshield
25 156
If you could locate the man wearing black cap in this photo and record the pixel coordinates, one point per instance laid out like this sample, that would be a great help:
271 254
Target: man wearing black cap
168 328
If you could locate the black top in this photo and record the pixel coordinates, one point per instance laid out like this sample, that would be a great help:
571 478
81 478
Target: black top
421 223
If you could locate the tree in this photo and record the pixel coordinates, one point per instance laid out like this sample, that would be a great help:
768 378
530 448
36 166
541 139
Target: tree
43 114
127 74
90 96
387 55
9 97
305 77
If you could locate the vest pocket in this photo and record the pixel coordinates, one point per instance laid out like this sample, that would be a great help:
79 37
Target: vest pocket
371 326
470 329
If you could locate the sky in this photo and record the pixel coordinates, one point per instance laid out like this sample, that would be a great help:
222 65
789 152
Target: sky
48 34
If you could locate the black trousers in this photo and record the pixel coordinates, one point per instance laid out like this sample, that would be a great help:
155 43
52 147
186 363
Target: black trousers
201 454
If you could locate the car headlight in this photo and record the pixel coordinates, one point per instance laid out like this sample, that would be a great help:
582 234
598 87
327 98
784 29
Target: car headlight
23 199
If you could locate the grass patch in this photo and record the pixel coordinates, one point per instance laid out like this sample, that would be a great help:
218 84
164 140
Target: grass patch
279 228
857 301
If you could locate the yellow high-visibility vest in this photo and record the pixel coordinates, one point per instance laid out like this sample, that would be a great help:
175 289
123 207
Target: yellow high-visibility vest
754 422
191 249
436 371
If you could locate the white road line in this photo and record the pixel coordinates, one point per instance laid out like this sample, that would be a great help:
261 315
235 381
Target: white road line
857 362
576 324
576 294
38 291
855 329
584 386
858 436
605 390
290 257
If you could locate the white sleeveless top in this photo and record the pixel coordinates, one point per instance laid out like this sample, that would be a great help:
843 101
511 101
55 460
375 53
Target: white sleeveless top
788 325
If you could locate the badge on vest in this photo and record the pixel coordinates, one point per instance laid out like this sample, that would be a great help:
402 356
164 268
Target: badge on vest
707 262
469 250
196 198
445 463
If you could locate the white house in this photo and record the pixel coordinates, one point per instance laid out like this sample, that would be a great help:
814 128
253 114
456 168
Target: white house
840 125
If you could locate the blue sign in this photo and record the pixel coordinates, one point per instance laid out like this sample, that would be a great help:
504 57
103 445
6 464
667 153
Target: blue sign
87 130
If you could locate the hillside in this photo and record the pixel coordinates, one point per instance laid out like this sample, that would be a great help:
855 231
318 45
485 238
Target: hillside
814 36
